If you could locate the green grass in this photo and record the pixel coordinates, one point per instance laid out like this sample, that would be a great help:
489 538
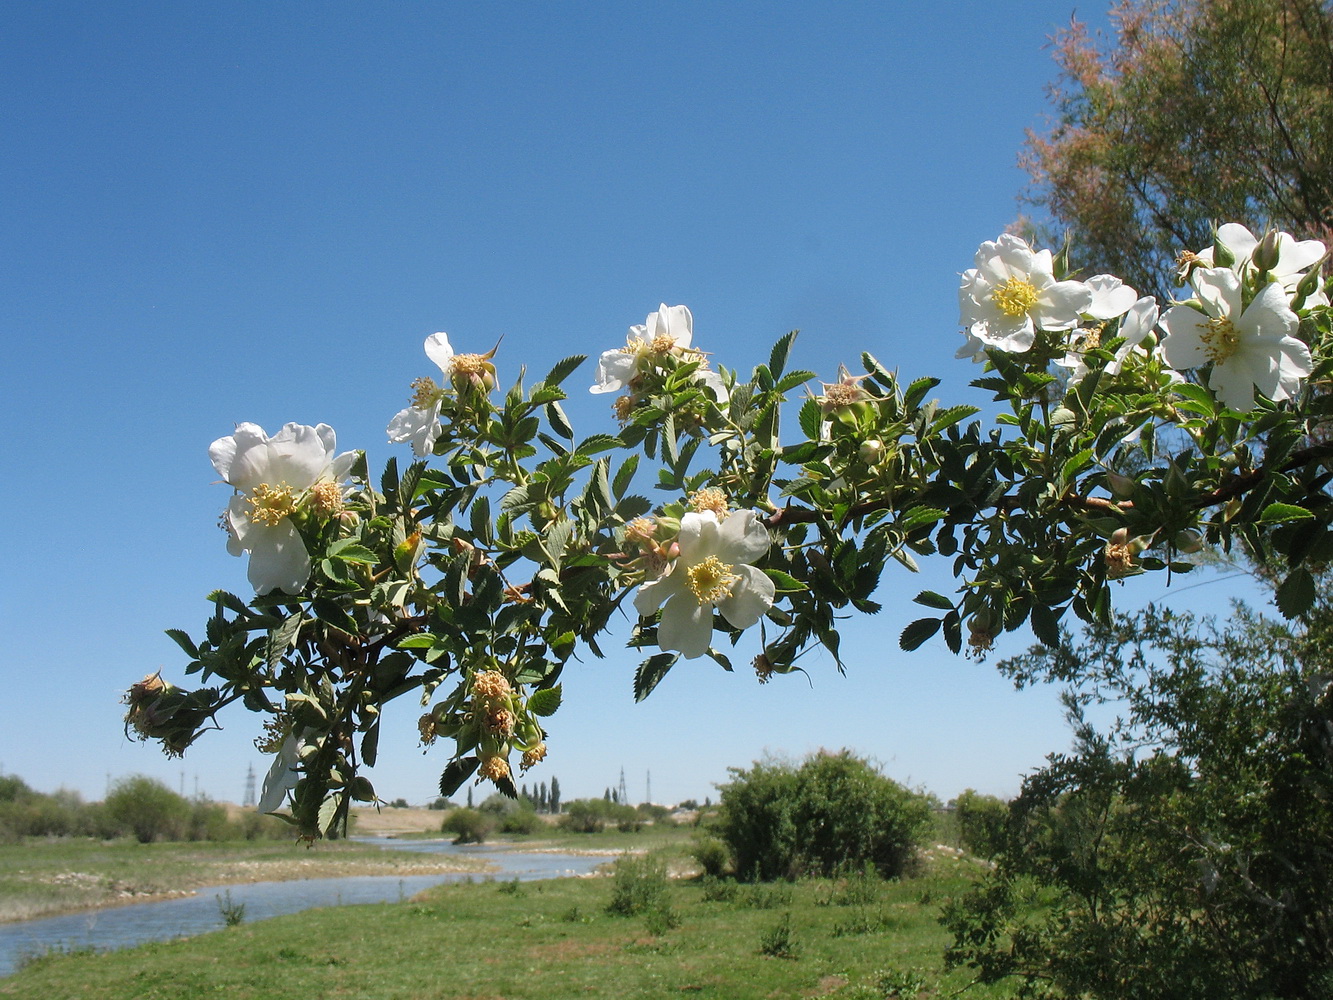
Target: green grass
546 941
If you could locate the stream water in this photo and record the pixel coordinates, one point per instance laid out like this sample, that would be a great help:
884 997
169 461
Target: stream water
136 923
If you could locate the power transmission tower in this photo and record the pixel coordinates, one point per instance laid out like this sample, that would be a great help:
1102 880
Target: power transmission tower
249 787
624 795
650 788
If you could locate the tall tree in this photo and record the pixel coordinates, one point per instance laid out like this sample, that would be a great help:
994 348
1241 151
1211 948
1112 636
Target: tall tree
1197 111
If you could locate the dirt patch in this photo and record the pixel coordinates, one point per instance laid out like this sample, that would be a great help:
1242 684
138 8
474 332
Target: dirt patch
385 822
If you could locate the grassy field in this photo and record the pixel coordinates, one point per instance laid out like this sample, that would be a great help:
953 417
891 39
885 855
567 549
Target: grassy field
42 878
854 940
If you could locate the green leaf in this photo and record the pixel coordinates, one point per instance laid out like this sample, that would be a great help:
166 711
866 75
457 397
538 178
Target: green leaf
559 422
370 745
328 811
184 642
1277 513
933 600
918 632
918 516
564 368
596 443
283 637
650 673
624 474
784 582
457 772
1045 625
1297 593
544 702
350 550
422 640
916 392
777 360
810 417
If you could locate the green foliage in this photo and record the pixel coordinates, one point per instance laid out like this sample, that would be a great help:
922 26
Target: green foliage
712 855
638 885
981 823
778 941
1188 851
469 826
832 813
1199 112
148 809
521 820
594 815
233 913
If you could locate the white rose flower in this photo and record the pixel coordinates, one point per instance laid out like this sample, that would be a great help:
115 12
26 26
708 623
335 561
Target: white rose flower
274 477
712 571
1294 257
419 423
1111 297
1253 348
1012 293
670 329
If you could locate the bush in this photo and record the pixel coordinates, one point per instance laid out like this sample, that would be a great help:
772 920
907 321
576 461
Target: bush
147 809
712 855
833 813
593 816
524 819
981 823
639 884
469 826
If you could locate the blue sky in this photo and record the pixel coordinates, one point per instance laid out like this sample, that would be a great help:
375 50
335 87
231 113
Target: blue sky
255 211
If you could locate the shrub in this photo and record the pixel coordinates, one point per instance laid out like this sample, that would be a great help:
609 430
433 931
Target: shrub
593 815
778 940
981 823
469 826
524 819
833 813
712 855
639 884
147 809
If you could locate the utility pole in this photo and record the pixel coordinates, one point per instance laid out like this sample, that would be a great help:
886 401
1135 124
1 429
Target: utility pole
249 800
650 787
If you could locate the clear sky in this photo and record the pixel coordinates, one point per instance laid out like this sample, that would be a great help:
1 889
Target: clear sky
257 212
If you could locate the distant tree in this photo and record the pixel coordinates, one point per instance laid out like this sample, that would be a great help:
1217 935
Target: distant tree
554 801
469 826
689 805
469 797
541 797
147 809
398 804
1200 111
981 822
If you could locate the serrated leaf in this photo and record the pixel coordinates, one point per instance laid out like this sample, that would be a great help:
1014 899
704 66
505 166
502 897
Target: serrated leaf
555 416
650 673
810 417
1045 625
282 638
916 392
422 640
370 744
1297 593
328 812
918 516
544 702
598 442
505 785
350 550
918 632
564 368
184 642
930 599
777 359
456 772
1277 513
784 582
624 474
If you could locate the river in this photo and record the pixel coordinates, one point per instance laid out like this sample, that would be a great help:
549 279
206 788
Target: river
135 923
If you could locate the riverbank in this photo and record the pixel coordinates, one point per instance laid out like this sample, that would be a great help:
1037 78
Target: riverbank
44 878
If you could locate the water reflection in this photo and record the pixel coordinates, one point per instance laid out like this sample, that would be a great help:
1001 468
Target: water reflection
136 923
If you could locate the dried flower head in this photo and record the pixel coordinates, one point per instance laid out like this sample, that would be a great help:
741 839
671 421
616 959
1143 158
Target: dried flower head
533 757
710 498
494 768
491 685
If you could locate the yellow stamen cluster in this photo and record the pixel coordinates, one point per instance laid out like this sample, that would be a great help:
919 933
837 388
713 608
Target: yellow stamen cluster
663 344
1119 559
326 499
1220 339
500 722
1015 297
710 498
425 393
276 731
641 531
426 727
491 685
842 394
763 668
533 757
270 504
471 364
494 768
623 408
711 580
